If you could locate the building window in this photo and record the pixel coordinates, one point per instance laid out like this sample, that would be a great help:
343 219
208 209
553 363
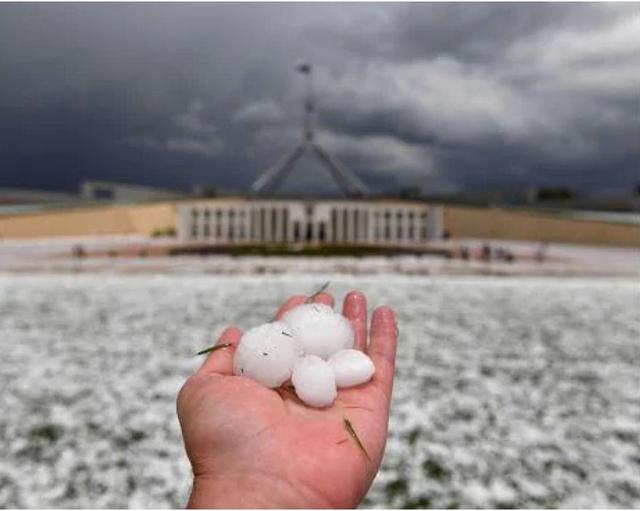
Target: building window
365 225
296 231
345 225
399 217
356 224
263 224
285 224
231 227
252 224
387 225
207 223
218 223
376 226
412 226
334 225
274 224
242 233
322 232
424 226
194 223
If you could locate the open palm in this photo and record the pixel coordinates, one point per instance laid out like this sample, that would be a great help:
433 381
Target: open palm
255 447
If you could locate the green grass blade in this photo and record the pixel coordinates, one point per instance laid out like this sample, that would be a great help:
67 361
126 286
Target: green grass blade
214 348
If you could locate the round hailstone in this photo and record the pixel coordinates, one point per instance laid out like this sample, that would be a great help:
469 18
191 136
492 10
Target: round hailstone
319 329
351 368
267 354
314 381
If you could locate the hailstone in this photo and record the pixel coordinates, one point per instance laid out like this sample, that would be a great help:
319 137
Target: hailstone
351 368
314 381
319 329
267 354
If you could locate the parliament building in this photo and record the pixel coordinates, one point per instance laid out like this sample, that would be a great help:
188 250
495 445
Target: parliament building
238 221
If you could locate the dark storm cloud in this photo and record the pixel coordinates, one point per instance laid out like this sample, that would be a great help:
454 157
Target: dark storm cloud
442 96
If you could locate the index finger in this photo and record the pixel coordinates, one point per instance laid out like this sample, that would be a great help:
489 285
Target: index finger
221 360
355 310
289 304
296 300
382 348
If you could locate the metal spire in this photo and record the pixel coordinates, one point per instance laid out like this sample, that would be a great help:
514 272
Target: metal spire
349 183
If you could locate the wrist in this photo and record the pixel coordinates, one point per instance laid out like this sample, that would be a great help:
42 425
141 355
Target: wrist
250 491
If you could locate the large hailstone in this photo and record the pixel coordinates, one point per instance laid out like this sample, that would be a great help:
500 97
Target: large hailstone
351 368
319 329
314 381
267 354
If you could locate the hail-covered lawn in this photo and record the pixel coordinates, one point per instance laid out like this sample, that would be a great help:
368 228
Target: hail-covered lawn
509 392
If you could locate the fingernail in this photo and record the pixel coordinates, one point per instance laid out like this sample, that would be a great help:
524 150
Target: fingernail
385 314
355 300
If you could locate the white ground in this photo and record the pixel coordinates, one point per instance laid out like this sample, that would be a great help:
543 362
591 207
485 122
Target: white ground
53 255
509 392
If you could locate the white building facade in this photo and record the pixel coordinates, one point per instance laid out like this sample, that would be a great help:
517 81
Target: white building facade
248 221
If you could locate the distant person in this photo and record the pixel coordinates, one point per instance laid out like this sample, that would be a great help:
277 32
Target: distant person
79 251
253 447
503 254
541 253
485 252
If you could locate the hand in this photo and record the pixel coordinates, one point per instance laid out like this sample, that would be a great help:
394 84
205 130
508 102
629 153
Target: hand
254 447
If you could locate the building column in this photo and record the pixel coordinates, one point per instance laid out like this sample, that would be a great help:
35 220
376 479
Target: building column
289 226
201 222
246 223
351 225
412 227
392 227
435 222
405 227
255 224
241 232
281 234
183 227
223 225
424 226
267 225
366 220
374 221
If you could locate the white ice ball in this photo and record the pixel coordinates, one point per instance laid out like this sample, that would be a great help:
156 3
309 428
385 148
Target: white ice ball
267 354
319 329
314 381
351 368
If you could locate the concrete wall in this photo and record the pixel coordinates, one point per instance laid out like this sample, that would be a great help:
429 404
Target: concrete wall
496 223
459 222
142 219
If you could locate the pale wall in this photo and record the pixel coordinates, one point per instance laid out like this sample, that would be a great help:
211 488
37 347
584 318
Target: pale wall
141 219
502 224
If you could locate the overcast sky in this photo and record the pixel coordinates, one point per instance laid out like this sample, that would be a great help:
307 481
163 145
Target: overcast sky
440 96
